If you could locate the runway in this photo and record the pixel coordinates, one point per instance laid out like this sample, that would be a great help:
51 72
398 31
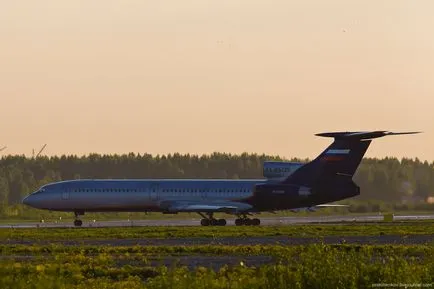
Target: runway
267 240
266 221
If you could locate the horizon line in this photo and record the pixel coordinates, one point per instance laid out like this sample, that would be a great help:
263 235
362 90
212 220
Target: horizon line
153 155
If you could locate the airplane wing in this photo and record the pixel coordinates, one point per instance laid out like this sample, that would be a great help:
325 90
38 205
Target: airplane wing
189 206
314 208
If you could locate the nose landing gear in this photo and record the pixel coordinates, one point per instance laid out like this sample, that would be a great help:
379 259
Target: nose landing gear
77 221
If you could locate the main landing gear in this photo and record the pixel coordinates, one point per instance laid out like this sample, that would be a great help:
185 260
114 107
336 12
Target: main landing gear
77 221
244 221
241 221
210 221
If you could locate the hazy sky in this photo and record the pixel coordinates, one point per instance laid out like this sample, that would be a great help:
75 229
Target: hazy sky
200 76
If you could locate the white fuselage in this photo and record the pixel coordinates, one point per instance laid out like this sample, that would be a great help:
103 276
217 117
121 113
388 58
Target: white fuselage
138 195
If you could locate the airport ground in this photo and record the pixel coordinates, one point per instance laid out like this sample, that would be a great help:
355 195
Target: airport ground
344 251
192 219
308 255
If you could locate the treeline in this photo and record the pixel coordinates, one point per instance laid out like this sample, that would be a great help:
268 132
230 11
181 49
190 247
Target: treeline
387 180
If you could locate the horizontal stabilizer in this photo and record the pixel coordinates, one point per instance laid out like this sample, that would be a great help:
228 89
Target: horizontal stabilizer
360 135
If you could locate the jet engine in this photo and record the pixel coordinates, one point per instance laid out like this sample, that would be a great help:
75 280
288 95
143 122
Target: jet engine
279 170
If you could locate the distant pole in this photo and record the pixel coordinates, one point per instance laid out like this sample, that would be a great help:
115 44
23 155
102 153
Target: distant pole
40 151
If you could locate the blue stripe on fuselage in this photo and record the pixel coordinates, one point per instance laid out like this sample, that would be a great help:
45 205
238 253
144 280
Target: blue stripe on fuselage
162 183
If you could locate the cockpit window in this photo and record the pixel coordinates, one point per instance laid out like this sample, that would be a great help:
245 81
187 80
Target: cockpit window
41 190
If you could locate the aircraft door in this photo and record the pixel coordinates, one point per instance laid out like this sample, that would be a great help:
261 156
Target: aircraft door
65 195
154 191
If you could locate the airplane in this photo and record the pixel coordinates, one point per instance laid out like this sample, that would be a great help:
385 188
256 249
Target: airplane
287 186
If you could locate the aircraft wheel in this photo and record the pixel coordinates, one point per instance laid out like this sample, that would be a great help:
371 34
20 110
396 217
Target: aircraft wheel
215 222
205 222
256 222
222 222
248 222
78 223
239 222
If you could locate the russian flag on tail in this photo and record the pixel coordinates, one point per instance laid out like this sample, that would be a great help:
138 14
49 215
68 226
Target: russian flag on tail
335 154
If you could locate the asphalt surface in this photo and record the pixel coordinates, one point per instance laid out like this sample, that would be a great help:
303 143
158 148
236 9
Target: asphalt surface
267 221
243 241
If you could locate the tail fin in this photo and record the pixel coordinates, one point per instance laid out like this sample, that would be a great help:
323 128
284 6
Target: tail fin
341 158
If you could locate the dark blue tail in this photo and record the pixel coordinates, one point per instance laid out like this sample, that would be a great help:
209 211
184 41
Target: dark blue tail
339 161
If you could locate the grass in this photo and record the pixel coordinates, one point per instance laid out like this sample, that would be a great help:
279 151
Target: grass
312 266
278 251
306 230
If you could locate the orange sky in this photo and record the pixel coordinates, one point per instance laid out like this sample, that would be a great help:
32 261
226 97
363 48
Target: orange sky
201 76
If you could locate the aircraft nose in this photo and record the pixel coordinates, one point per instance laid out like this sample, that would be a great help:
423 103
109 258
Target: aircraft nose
30 200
